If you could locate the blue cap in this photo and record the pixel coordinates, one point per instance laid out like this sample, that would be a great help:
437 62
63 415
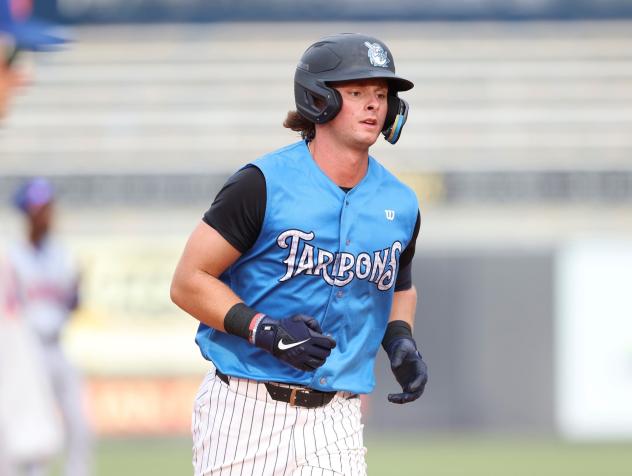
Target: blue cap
33 193
28 34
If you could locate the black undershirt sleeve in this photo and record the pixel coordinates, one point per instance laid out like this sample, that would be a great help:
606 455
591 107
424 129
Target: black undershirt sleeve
239 208
405 275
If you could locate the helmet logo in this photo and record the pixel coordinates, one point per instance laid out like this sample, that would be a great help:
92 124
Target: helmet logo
377 55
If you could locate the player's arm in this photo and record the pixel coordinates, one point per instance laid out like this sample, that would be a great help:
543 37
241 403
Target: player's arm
73 299
196 287
9 297
230 228
407 364
404 306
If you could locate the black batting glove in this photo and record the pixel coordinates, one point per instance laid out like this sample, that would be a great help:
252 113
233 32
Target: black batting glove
297 340
410 371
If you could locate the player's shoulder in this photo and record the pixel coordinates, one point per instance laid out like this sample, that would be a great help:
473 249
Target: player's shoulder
16 249
390 181
287 156
51 250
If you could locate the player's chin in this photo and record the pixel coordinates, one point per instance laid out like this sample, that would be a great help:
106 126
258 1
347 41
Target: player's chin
367 138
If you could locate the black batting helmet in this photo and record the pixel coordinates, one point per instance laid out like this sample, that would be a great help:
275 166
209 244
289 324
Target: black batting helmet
345 57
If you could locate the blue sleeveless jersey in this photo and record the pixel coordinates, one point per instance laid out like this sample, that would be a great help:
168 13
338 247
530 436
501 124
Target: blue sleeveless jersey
325 253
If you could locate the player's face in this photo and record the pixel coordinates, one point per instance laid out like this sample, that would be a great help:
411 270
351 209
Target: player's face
41 218
10 78
361 117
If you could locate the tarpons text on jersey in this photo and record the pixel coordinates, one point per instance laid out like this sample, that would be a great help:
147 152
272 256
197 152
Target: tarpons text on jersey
340 268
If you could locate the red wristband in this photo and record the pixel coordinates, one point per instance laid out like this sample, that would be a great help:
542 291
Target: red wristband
252 328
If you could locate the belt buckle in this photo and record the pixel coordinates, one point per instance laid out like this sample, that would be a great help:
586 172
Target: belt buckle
293 393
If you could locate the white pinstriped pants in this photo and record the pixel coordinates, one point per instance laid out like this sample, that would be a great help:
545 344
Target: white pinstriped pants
238 430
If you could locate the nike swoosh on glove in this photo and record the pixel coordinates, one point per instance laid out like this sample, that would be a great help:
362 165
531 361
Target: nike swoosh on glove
297 341
409 369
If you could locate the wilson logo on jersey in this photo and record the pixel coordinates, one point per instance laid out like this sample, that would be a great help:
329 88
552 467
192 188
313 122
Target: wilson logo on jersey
338 269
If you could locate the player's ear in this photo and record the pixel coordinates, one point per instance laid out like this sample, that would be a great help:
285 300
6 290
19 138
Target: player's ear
396 116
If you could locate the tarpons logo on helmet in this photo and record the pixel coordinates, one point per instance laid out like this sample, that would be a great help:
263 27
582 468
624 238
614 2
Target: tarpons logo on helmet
377 55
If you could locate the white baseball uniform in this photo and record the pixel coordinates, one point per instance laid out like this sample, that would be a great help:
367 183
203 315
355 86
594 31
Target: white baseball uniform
46 287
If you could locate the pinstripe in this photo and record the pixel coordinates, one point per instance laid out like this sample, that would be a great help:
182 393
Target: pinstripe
241 421
254 463
221 424
197 427
209 430
209 426
201 396
203 432
276 457
326 439
274 418
293 435
304 440
297 431
353 441
214 431
344 420
351 445
311 415
315 440
348 461
291 443
194 427
354 438
197 418
230 422
347 427
254 410
333 425
358 439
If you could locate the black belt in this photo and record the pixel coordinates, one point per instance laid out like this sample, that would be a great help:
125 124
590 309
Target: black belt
299 397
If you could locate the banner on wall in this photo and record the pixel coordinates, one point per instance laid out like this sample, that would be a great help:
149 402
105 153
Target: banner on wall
126 323
141 405
594 339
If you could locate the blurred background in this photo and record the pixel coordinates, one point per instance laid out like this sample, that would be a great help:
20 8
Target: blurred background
519 146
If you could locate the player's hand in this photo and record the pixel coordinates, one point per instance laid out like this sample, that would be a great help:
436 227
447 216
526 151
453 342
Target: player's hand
296 340
409 369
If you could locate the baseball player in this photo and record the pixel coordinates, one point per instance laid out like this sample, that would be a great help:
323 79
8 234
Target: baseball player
16 36
46 292
298 271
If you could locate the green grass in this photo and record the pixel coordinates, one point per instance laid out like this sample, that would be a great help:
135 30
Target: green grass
394 457
509 457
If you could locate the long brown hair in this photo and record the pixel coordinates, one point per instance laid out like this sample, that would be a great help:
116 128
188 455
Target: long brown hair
298 123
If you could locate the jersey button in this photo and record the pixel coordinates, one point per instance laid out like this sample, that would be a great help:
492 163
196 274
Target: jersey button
323 380
348 242
339 294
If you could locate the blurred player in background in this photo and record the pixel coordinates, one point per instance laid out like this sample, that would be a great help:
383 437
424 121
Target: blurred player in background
38 284
46 287
299 270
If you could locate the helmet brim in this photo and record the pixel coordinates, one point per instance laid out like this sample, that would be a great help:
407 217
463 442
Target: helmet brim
34 35
396 83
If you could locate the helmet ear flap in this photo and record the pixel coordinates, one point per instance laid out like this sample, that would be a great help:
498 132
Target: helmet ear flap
318 103
396 116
